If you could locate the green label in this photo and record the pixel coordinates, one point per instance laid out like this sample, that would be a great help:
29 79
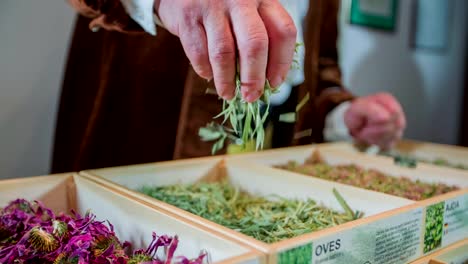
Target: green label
299 255
433 227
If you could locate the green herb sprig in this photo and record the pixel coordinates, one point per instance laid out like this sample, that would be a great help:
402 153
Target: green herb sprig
244 121
269 220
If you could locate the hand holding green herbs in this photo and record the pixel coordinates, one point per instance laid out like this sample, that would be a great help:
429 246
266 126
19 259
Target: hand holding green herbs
244 121
268 220
368 179
32 233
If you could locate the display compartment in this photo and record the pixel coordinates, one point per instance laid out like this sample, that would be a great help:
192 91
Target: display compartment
425 153
254 179
133 221
334 156
418 221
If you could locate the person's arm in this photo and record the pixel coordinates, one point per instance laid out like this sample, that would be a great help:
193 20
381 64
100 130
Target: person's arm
329 122
108 15
375 119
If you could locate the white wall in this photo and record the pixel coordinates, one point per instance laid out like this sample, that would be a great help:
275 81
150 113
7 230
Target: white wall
429 85
34 39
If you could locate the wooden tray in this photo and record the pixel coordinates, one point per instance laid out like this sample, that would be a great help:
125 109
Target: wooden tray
420 150
133 221
253 178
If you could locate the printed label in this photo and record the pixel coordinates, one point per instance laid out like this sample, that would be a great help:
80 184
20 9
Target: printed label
392 240
398 239
455 220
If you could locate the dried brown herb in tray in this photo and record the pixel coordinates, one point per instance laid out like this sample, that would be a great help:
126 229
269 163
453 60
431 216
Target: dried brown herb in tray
368 178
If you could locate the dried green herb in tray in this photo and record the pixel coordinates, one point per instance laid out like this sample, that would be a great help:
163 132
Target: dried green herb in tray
269 220
369 179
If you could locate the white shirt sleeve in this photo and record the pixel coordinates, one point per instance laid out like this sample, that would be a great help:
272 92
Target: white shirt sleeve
335 127
141 11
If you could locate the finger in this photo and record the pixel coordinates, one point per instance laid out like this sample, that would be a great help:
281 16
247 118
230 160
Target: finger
389 102
393 106
354 121
252 42
370 110
282 40
379 135
375 113
194 42
222 53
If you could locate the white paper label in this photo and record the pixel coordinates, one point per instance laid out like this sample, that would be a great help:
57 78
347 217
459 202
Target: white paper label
392 240
455 220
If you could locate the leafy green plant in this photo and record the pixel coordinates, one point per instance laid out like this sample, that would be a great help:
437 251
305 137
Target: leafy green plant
434 226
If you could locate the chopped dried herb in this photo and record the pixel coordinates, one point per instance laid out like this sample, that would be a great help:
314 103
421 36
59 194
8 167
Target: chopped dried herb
369 179
269 220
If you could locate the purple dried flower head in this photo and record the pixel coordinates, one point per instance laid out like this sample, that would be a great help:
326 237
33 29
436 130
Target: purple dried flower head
32 233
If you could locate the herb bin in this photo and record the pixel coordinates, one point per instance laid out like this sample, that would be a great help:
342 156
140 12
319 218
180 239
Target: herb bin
420 150
132 221
259 180
409 221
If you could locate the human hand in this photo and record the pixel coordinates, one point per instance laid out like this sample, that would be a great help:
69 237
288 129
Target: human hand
213 32
376 119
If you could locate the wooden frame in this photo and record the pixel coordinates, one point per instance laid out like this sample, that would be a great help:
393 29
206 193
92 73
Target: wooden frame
70 191
240 169
418 149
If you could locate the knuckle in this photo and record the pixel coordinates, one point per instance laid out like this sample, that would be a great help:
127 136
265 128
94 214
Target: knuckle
256 43
196 53
223 52
287 31
190 12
